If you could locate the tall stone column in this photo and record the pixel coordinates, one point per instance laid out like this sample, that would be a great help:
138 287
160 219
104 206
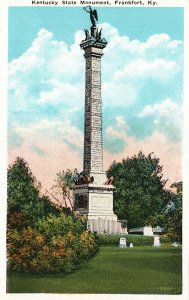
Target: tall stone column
93 150
93 194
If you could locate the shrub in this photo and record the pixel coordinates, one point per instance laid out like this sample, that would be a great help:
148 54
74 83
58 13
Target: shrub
55 244
113 240
42 238
168 239
165 245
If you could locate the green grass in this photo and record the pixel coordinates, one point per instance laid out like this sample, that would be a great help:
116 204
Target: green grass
140 270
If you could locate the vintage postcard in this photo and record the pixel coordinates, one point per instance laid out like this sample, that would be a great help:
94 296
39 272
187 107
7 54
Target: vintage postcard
95 149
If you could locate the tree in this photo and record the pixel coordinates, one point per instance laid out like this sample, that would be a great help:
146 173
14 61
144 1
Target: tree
61 190
173 214
170 218
24 192
140 189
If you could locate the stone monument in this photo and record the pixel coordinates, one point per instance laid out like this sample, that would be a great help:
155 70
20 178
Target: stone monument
122 243
93 193
157 241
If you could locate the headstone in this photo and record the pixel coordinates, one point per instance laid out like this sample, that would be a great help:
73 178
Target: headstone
122 243
175 244
148 230
131 245
156 241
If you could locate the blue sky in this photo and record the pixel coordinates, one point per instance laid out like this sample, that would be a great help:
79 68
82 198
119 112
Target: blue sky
141 86
137 23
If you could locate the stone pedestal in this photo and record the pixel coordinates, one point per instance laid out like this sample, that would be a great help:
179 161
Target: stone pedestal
96 202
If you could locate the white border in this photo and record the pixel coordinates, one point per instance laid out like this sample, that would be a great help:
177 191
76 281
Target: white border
3 140
3 160
160 3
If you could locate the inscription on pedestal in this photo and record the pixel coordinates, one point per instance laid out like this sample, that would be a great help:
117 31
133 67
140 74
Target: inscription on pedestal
100 202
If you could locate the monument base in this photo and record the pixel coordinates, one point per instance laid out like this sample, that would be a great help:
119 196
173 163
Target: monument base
106 226
96 203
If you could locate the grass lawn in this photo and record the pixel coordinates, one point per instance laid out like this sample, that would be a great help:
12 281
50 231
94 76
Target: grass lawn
140 270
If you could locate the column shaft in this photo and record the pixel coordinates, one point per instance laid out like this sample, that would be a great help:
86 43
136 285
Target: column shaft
93 158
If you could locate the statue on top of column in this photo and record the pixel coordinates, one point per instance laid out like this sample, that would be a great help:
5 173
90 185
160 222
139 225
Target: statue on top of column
93 36
93 14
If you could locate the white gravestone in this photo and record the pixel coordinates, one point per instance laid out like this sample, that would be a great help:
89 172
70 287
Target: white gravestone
122 243
156 241
131 245
148 230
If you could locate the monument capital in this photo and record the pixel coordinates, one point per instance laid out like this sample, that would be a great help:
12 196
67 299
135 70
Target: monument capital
93 36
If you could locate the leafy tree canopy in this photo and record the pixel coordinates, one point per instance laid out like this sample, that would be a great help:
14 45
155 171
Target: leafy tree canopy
24 192
140 189
173 214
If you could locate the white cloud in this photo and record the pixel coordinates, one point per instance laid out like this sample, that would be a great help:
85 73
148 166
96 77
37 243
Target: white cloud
129 64
157 40
158 69
49 71
120 94
165 108
51 130
119 130
167 117
65 93
52 72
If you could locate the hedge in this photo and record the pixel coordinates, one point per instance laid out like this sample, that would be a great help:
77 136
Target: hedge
113 240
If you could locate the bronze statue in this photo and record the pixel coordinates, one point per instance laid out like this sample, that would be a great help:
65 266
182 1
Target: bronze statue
87 34
93 15
83 178
109 181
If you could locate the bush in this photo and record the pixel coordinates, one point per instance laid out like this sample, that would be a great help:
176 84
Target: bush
55 244
42 238
168 239
113 240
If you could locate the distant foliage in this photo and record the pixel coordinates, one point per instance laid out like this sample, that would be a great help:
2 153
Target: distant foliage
173 215
41 238
140 189
113 240
142 198
170 217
